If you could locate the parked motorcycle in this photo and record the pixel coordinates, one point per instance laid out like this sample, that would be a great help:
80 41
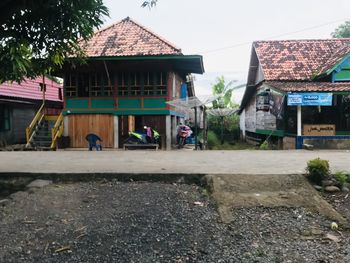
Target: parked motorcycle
135 138
183 134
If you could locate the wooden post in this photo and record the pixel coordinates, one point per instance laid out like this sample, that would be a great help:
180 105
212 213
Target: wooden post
222 130
299 122
196 128
168 132
44 89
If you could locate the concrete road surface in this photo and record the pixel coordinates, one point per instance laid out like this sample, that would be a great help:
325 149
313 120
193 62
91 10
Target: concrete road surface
186 162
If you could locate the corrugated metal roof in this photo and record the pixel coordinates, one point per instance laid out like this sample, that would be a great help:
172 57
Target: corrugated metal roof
30 89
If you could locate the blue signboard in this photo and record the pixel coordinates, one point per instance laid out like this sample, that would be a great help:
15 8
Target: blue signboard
310 99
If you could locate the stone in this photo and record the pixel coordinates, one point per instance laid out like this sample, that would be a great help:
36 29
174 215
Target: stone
39 183
345 189
317 187
332 237
4 202
316 231
327 182
332 189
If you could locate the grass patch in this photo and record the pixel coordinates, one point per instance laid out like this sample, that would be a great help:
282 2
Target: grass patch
239 145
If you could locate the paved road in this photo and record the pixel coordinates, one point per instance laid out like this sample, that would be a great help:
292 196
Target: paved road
150 162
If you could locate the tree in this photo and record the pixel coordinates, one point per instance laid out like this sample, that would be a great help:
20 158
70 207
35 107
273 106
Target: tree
223 123
342 31
224 91
150 3
36 36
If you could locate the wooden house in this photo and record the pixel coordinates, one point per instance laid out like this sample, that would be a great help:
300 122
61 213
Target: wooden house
19 104
298 93
129 75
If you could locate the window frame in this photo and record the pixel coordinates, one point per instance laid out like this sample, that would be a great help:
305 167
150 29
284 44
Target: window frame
5 116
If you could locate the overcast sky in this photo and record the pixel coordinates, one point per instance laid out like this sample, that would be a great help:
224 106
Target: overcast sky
199 26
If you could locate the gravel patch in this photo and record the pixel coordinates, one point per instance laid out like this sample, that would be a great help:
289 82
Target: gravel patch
155 222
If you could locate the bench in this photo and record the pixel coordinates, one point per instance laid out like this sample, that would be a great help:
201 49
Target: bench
144 145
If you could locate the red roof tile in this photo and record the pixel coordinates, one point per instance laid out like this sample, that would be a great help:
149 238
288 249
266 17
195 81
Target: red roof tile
30 89
309 86
299 59
127 38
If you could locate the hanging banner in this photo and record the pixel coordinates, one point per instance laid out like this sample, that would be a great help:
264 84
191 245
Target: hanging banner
310 99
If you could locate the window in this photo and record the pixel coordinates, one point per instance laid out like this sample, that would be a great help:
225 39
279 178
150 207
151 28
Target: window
95 85
107 86
160 83
70 84
123 80
4 118
60 97
155 83
83 85
148 83
135 84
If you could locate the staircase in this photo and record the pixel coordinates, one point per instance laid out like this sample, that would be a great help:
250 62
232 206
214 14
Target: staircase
42 137
44 130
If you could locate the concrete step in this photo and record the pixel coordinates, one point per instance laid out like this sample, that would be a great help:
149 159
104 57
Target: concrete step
41 143
45 138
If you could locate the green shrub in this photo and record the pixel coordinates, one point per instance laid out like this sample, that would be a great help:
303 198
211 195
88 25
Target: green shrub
317 170
213 140
342 177
264 146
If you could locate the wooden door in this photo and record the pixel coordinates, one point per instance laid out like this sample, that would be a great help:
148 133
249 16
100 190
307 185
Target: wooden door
81 125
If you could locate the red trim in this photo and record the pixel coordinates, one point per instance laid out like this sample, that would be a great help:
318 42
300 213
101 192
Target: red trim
169 89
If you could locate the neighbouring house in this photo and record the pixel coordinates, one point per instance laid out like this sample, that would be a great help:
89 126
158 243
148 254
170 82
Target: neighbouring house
19 104
129 75
298 93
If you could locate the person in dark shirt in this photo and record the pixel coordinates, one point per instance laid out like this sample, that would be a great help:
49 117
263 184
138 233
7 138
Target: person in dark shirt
93 139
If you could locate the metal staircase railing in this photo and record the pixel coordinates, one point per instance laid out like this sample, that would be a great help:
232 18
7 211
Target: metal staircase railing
57 131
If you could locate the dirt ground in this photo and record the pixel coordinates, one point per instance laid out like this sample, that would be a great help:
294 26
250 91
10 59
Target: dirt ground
340 201
294 191
110 221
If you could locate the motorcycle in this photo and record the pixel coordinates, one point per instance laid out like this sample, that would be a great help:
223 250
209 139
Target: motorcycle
135 138
183 134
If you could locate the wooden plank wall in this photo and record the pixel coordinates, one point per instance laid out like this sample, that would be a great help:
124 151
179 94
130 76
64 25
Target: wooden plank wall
250 115
81 125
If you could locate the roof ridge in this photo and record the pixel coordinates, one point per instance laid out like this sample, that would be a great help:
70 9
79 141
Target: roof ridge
322 69
129 19
154 34
306 40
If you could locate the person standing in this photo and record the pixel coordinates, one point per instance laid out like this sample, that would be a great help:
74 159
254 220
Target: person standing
148 134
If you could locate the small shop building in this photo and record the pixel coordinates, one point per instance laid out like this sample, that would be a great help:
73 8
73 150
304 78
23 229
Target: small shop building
298 94
129 75
19 103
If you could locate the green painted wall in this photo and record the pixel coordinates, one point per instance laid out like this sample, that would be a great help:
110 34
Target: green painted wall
154 103
342 133
342 75
117 112
279 133
129 103
77 103
102 103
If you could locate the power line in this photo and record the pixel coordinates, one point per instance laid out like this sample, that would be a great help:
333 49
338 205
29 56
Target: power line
271 37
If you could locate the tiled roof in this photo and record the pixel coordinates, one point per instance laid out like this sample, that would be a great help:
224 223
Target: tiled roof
127 38
299 59
30 89
309 86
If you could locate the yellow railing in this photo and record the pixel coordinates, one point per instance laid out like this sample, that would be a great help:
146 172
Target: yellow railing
57 131
35 122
